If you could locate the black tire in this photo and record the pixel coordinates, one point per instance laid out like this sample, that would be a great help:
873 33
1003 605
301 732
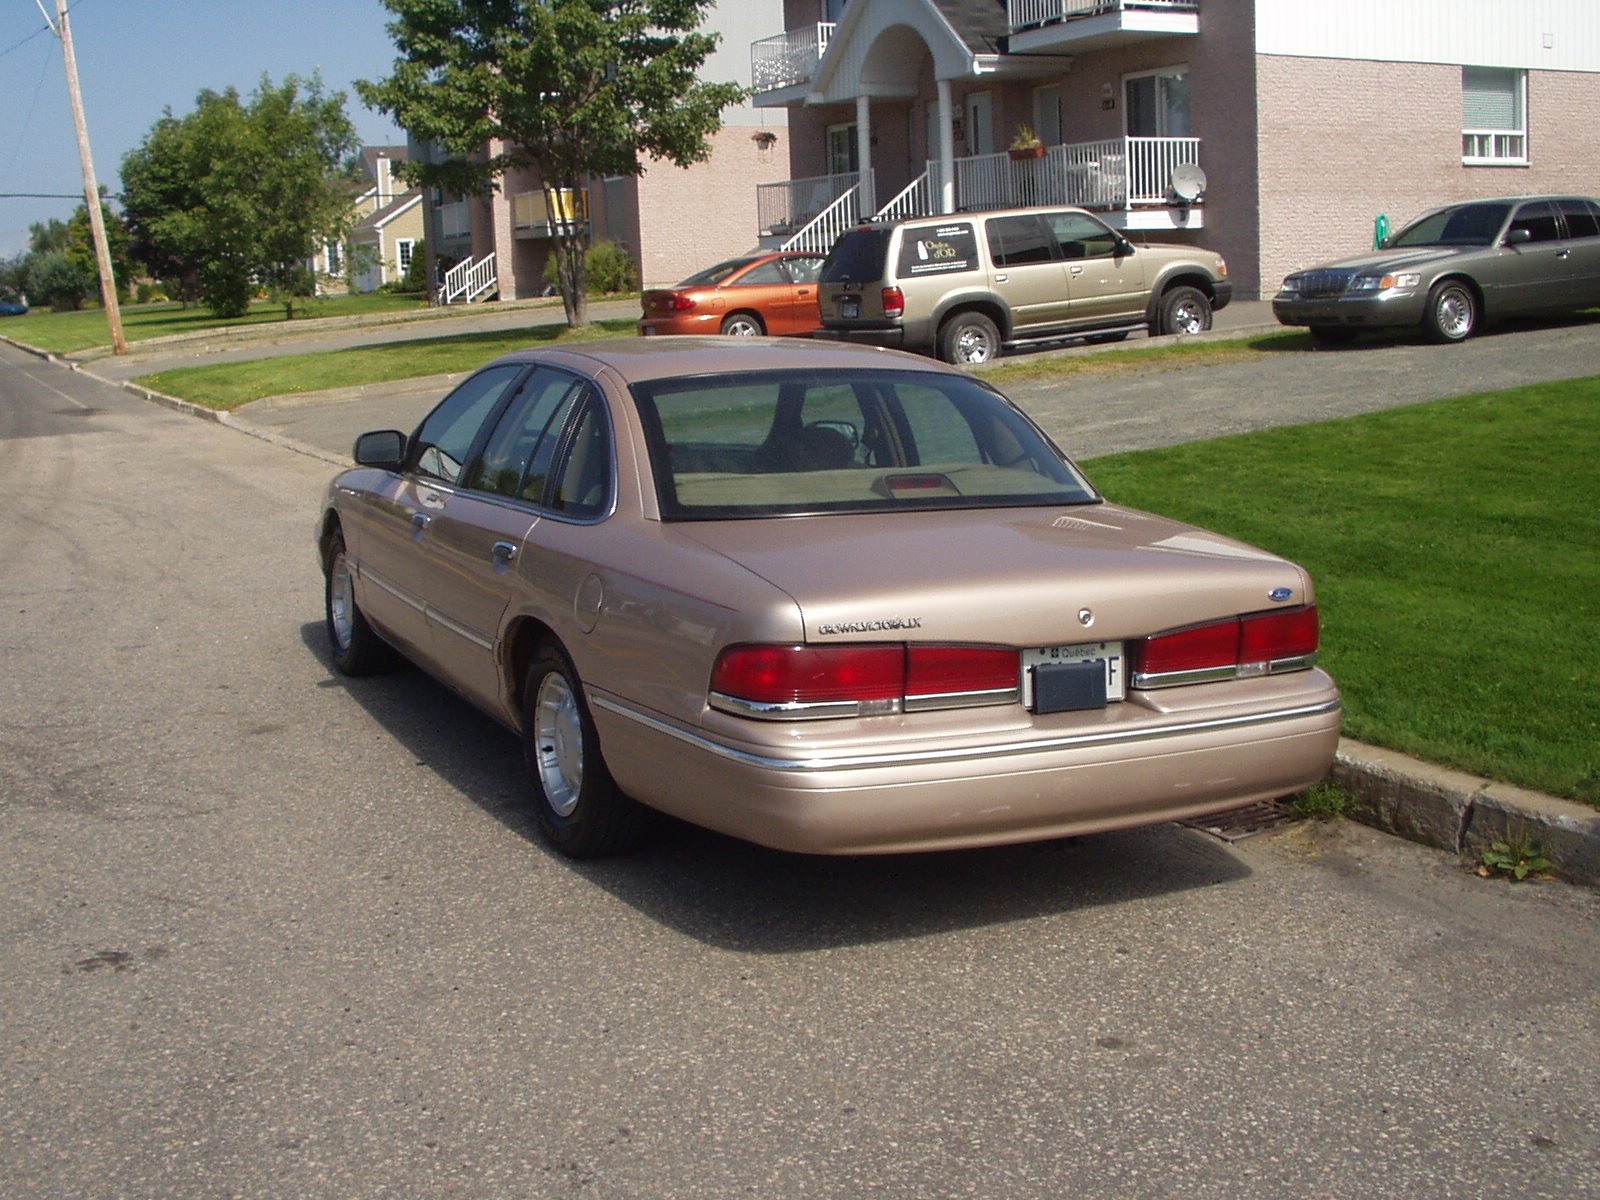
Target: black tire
969 339
1183 309
580 810
1332 335
743 324
357 649
1452 313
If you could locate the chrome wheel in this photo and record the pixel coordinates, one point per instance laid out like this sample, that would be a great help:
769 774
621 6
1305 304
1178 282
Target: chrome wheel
1184 310
1452 313
1189 318
742 325
558 743
969 339
341 603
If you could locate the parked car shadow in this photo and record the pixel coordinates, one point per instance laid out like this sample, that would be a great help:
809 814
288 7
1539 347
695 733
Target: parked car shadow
1378 339
739 896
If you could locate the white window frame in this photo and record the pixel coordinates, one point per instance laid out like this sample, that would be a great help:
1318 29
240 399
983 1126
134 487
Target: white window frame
404 249
843 149
1496 144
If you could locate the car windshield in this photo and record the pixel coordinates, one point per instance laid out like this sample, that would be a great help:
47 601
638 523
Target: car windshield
1463 225
712 276
784 443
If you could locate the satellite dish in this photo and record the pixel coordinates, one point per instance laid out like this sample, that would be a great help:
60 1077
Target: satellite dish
1188 182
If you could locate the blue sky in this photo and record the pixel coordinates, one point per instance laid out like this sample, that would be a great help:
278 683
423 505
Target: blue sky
139 57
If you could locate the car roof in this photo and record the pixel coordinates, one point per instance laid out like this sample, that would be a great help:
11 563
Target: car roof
636 359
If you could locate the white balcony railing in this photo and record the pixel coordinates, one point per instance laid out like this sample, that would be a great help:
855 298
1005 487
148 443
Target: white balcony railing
783 208
789 58
531 215
1120 173
1024 14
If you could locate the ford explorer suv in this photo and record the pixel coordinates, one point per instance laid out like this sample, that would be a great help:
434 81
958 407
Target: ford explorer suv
965 285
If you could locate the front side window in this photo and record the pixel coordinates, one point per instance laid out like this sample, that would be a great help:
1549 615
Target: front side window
1539 219
1081 236
786 443
1494 116
443 441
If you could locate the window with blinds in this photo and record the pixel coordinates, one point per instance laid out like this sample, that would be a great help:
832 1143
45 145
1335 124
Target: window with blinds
1494 116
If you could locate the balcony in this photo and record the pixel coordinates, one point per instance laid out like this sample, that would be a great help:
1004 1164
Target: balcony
1129 181
788 60
530 212
1076 26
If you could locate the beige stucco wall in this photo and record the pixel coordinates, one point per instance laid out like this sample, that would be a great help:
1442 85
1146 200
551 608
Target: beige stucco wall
690 218
1342 141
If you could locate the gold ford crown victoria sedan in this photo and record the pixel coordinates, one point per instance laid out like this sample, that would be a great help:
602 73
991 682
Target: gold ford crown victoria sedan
827 598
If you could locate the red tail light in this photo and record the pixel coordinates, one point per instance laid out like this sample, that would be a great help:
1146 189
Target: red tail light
859 680
894 302
683 301
1260 644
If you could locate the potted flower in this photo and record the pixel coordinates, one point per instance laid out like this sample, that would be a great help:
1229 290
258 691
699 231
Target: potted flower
1026 144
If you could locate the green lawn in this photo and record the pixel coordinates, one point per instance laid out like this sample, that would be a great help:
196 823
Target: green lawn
1454 549
228 385
65 333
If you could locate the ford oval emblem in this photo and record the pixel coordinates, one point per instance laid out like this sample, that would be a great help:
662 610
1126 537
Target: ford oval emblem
1280 594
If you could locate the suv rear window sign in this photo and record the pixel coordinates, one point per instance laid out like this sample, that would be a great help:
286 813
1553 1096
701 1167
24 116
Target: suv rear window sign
938 249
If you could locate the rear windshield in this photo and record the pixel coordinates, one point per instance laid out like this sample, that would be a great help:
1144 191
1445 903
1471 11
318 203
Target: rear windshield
776 443
857 257
716 274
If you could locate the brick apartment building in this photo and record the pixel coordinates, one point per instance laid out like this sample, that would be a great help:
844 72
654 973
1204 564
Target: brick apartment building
1275 131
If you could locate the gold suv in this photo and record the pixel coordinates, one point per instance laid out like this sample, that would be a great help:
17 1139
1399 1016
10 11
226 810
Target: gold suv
966 285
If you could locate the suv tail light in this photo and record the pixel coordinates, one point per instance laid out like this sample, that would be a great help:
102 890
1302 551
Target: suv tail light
894 302
1239 647
864 679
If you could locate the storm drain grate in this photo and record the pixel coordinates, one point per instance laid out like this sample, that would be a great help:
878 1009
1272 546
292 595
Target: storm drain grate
1239 823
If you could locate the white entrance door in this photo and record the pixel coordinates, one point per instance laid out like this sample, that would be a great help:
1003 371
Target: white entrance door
980 123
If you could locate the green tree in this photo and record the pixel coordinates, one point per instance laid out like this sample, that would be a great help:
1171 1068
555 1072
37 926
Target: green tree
45 236
61 283
570 88
80 247
238 196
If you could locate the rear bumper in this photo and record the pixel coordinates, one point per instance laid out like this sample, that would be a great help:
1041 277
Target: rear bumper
880 799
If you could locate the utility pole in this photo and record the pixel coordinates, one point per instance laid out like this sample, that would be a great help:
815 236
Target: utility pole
91 189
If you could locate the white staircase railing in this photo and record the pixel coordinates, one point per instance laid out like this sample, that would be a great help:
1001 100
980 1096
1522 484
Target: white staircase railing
820 234
467 280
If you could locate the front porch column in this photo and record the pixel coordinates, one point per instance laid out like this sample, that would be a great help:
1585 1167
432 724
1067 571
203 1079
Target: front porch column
869 195
947 149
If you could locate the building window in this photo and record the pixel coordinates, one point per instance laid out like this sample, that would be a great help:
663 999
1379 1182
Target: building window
335 259
1494 116
843 151
1158 103
403 249
1047 114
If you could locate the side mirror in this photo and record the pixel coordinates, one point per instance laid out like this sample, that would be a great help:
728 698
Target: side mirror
1124 247
385 448
1517 236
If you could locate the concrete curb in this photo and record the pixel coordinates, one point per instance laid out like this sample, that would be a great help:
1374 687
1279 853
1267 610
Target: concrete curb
1464 814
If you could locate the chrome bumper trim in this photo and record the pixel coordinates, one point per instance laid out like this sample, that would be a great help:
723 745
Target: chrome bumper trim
912 758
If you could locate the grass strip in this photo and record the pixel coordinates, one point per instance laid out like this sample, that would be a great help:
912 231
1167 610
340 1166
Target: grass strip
69 332
1453 545
225 386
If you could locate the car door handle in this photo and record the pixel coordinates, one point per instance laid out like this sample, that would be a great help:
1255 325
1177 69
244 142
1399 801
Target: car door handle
419 525
1074 270
501 555
1563 253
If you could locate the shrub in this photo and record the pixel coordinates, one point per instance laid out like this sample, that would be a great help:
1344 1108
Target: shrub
59 281
607 268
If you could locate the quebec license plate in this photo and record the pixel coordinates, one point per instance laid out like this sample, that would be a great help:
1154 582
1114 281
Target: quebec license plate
1064 678
850 308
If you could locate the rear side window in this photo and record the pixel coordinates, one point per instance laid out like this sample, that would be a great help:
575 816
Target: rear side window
937 249
516 459
1583 221
1017 241
857 257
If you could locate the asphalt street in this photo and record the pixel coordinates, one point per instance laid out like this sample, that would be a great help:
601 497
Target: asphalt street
266 932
